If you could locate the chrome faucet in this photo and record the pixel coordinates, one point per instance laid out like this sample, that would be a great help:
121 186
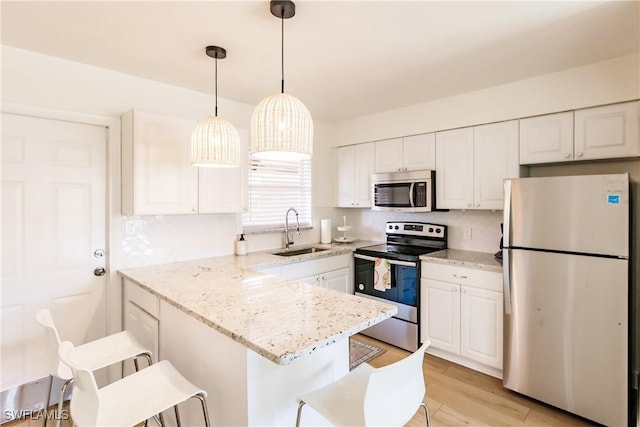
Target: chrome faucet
287 240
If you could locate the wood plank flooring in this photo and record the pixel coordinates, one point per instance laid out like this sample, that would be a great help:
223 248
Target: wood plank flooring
458 396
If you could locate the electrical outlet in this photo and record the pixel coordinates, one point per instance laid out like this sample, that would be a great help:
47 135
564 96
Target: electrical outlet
467 233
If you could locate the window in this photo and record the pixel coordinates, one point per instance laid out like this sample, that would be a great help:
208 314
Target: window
274 187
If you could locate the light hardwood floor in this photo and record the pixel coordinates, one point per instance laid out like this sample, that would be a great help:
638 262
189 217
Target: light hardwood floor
458 396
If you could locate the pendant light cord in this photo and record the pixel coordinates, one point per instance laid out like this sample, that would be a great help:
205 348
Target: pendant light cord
282 51
216 85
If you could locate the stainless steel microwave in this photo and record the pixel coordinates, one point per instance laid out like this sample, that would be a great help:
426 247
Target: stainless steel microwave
404 191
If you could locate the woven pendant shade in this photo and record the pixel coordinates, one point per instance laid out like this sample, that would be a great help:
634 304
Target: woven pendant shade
281 128
215 142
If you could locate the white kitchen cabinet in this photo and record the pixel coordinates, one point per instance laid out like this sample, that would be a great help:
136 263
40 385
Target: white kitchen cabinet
332 272
157 176
461 313
355 166
410 153
604 132
338 280
547 138
471 164
607 132
141 313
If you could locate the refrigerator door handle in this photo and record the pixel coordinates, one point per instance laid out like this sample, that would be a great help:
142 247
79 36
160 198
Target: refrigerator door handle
506 280
507 214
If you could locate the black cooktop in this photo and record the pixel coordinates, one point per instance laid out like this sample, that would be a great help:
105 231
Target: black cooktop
398 252
406 241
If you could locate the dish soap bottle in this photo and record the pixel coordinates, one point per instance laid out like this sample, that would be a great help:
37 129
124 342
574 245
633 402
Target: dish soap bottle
241 246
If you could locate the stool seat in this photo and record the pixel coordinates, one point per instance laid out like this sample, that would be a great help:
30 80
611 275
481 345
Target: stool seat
93 355
130 400
368 396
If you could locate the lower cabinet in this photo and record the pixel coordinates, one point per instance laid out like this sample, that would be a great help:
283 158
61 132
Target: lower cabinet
461 313
141 312
338 280
331 272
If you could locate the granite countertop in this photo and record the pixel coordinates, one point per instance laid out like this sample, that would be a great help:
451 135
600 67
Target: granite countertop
277 318
472 259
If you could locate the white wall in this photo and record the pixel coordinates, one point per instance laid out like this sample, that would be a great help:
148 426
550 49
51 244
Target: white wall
36 80
610 81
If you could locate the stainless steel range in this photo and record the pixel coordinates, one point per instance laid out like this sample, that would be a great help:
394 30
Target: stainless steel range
391 273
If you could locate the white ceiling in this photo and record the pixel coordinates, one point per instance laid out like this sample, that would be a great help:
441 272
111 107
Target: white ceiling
342 58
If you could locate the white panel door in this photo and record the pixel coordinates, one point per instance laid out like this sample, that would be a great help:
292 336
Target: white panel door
346 176
607 132
547 138
454 169
440 314
419 152
481 325
338 280
495 152
388 155
53 220
364 169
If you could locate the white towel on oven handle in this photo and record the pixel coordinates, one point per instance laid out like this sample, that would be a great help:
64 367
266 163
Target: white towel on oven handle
382 275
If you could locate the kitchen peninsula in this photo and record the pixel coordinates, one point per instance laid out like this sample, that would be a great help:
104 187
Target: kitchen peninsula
254 341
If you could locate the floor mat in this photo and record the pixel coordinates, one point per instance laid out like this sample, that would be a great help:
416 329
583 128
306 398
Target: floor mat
360 352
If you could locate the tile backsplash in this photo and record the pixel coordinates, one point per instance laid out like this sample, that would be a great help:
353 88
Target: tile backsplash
483 225
158 239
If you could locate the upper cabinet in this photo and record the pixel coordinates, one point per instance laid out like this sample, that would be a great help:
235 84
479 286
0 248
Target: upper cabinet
607 132
410 153
591 133
157 176
471 164
545 139
355 166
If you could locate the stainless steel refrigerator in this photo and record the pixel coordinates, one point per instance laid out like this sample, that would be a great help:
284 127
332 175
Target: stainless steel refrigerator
566 277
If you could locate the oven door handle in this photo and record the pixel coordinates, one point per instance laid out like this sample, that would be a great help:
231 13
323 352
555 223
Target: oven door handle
391 261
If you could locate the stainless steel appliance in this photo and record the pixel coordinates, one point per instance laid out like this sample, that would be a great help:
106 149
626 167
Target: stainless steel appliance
391 273
404 191
566 275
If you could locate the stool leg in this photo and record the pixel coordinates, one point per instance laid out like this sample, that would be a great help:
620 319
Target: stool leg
205 411
61 401
47 401
300 405
175 409
426 413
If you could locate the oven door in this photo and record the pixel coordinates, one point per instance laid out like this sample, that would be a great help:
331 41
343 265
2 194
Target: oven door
404 279
392 196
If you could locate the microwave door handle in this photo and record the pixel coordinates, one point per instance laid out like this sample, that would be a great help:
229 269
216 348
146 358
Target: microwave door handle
411 190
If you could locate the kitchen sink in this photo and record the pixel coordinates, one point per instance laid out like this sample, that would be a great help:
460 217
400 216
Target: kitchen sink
294 252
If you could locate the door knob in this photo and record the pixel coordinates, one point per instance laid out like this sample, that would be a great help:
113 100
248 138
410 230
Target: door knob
99 271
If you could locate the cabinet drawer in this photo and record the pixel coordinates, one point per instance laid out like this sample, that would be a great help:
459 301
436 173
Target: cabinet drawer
317 266
143 299
462 275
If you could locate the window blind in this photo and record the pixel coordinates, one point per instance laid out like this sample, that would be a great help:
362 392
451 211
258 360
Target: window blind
274 187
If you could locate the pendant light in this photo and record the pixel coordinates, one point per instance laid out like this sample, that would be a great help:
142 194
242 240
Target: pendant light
281 125
214 141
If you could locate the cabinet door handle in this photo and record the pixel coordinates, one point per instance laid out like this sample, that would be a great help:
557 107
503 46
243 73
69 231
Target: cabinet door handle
454 289
578 154
324 277
464 291
567 155
468 205
477 205
459 276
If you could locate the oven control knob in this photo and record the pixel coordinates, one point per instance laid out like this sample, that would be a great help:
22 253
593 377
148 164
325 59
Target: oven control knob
397 227
438 230
430 229
361 286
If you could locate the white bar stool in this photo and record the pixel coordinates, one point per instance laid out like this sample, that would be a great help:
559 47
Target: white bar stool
94 355
366 396
131 400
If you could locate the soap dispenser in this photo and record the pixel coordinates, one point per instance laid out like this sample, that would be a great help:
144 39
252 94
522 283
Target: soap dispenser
241 246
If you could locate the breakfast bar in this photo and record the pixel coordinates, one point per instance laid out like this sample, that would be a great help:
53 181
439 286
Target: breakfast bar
253 341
